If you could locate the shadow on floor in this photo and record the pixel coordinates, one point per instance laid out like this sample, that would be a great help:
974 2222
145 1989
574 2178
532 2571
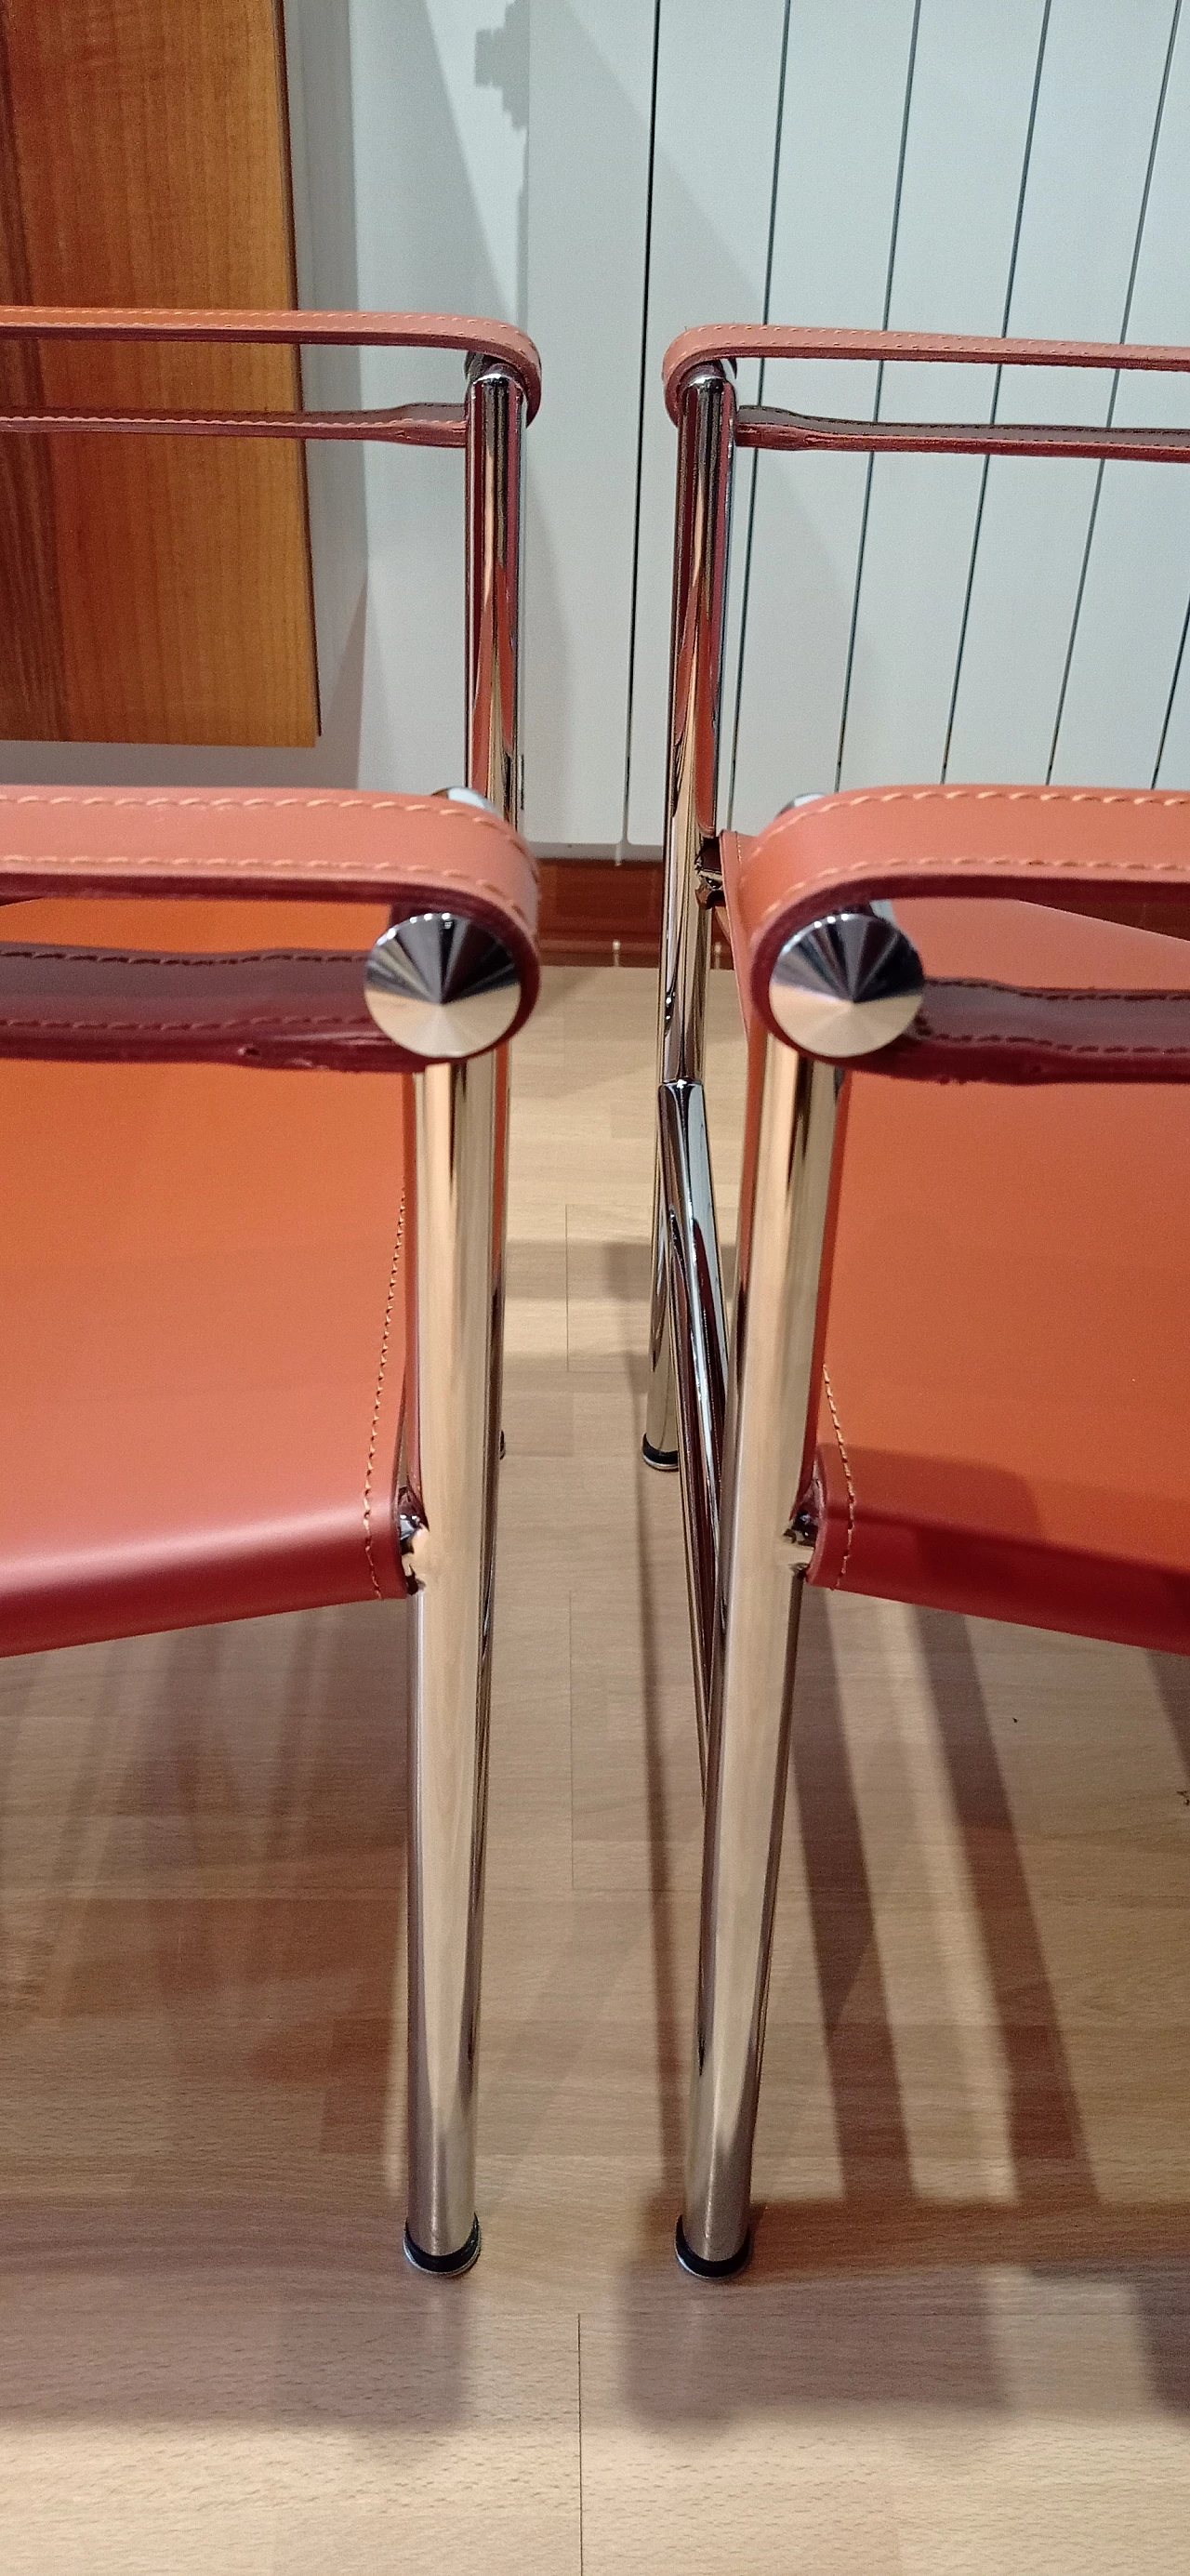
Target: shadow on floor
881 2294
203 2173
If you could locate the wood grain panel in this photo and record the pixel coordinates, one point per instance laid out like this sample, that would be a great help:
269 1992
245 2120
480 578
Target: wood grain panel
148 144
32 679
599 912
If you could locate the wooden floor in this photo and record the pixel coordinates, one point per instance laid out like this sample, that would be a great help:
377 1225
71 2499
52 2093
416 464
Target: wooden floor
965 2340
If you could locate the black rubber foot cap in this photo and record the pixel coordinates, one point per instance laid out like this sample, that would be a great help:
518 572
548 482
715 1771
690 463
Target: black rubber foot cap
448 2265
703 2271
666 1459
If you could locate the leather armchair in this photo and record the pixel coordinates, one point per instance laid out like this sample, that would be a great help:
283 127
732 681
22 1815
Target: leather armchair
254 1104
959 1323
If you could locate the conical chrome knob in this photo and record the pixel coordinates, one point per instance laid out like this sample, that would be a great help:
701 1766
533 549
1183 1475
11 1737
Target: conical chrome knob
442 987
846 985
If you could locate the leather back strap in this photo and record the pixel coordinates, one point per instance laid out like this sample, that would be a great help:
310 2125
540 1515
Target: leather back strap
276 1009
425 425
974 1032
769 427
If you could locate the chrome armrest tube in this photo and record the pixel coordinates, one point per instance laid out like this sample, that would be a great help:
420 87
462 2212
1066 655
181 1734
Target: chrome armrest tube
701 545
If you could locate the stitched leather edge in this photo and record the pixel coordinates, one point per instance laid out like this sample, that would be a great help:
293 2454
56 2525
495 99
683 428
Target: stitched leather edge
381 1367
806 893
837 1585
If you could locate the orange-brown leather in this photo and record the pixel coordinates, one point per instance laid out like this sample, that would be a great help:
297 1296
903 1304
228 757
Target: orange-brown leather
309 330
263 1007
895 841
202 1362
969 1031
414 853
771 340
1003 1420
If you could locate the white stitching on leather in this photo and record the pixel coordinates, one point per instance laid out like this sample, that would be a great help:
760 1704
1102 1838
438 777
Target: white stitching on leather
383 1364
218 871
851 1504
956 864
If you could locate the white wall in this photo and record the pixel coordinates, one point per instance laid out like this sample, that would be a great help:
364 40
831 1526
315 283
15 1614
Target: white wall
937 162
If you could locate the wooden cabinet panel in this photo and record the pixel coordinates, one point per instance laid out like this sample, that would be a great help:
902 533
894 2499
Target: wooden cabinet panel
153 590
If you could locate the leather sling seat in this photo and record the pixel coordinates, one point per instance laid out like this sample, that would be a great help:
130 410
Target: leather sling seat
203 1269
1001 1420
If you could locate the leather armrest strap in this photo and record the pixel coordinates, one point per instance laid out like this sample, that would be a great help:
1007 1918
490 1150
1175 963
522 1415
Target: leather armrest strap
975 1032
726 343
417 854
843 851
462 331
277 1009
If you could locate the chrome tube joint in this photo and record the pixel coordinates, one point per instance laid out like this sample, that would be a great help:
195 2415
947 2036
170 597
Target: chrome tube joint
442 987
701 548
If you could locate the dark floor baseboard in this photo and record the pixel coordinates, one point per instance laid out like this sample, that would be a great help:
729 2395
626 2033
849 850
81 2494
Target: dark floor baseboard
600 911
597 910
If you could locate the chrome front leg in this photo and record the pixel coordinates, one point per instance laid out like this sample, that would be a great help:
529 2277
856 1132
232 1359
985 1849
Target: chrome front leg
461 1149
768 1454
449 1546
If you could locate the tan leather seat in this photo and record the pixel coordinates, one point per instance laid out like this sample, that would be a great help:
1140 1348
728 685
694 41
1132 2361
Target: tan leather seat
202 1276
1007 1344
1001 1424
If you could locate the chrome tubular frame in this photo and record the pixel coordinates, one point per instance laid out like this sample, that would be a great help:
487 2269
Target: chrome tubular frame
702 532
845 987
495 411
700 1360
765 1547
448 1557
453 1437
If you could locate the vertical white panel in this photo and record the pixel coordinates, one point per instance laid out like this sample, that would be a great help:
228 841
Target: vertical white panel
1174 770
712 188
589 155
1094 130
968 123
440 143
844 97
1138 576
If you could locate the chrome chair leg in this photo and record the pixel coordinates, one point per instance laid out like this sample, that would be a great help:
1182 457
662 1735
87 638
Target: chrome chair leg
699 1342
454 1439
765 1547
448 1532
705 458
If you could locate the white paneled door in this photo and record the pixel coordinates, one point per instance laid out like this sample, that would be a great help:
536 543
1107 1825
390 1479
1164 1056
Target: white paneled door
932 164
